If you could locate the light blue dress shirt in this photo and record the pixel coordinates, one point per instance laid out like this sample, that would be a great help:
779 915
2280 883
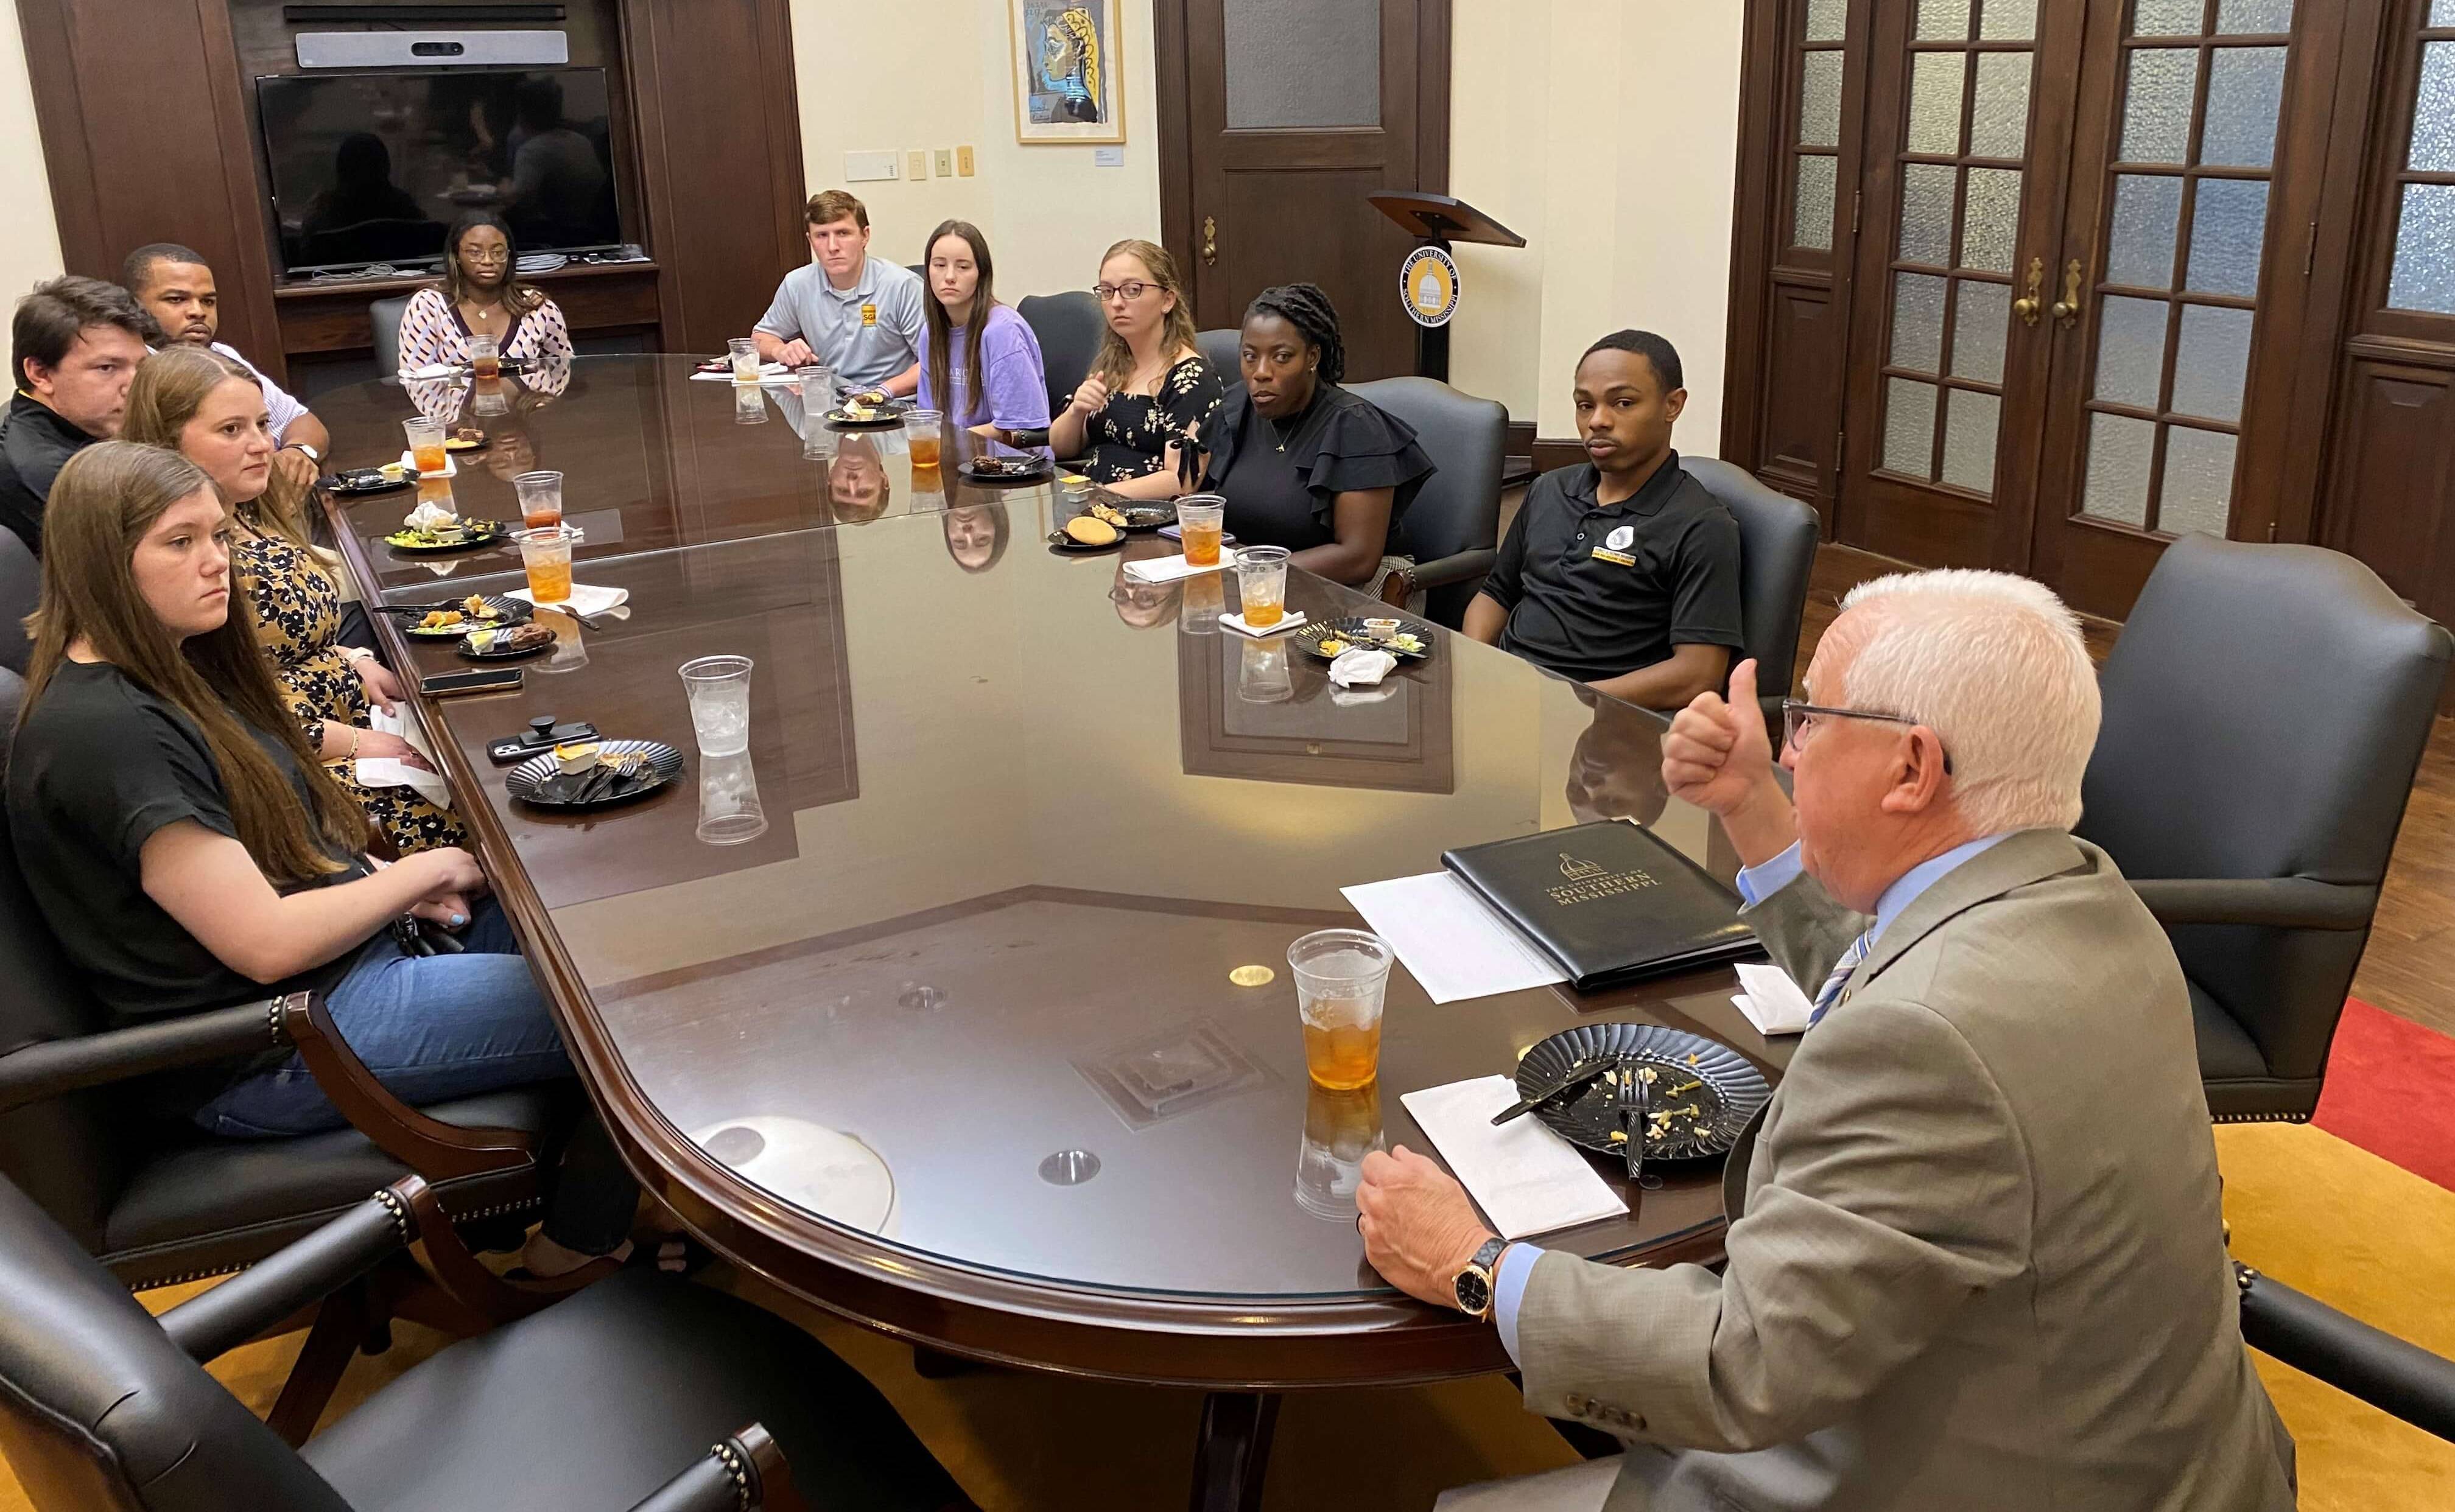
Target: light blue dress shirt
1756 883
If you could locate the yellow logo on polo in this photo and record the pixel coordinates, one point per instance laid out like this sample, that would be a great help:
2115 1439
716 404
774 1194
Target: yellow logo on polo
870 314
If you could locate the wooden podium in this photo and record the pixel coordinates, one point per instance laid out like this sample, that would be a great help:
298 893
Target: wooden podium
1427 280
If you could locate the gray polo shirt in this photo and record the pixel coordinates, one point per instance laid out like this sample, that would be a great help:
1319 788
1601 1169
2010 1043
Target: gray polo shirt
866 333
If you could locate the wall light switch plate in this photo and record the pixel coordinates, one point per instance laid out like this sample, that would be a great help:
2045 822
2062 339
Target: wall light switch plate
963 162
945 162
916 163
1107 157
861 168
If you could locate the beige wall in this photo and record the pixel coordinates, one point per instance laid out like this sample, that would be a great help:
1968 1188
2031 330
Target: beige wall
29 234
1606 134
1049 210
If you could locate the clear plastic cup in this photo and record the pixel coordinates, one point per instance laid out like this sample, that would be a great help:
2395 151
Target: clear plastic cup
744 352
485 357
541 498
719 703
426 444
1341 978
924 431
545 554
1200 518
817 384
1261 585
730 812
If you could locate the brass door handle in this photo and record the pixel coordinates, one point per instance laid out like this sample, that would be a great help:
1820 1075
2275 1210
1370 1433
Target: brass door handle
2067 309
2030 304
1209 241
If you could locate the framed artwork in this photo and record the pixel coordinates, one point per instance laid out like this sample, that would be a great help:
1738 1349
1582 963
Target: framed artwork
1069 76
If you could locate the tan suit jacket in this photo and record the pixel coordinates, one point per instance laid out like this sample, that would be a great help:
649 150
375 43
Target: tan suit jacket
1976 1258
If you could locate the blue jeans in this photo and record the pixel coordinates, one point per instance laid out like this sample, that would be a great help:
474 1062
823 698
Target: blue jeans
433 1029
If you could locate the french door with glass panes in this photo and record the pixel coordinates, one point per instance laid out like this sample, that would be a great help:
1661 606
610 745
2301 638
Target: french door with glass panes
2079 279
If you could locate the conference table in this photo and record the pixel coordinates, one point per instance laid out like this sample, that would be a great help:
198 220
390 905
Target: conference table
950 1046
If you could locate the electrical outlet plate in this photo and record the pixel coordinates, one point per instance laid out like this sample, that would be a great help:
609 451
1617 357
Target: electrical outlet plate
916 163
945 162
963 162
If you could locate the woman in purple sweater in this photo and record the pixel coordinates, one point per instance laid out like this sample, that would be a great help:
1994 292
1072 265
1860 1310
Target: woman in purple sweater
980 363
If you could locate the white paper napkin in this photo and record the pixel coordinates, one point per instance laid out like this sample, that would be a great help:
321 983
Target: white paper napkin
584 599
1168 569
1773 1002
1361 667
390 771
1287 622
433 370
1525 1178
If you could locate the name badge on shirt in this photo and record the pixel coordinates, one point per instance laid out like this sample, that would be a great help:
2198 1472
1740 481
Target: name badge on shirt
1604 554
870 314
1612 550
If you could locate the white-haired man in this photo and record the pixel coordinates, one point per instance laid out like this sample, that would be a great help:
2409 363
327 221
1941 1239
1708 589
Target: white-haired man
1976 1258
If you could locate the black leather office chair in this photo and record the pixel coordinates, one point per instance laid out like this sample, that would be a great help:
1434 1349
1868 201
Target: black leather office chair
1452 528
1069 326
2265 712
385 315
1223 350
21 585
1778 536
2400 1378
645 1391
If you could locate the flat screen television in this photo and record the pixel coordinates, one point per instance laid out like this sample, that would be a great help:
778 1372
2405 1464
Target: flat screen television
373 167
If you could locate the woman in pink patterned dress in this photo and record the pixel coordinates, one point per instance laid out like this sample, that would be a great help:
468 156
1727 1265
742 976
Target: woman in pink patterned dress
480 295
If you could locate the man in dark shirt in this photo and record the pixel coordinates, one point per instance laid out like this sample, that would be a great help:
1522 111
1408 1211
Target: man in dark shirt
1622 573
77 344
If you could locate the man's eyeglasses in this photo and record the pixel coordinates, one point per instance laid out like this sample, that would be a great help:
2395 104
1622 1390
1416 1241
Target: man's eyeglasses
1798 723
1130 291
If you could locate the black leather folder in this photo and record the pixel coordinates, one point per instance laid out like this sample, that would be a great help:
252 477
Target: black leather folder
1608 901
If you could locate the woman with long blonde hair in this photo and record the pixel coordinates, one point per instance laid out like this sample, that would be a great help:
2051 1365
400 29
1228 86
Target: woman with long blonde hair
210 410
1142 410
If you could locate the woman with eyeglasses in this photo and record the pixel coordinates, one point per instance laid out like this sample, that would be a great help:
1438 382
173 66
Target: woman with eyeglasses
1149 396
481 293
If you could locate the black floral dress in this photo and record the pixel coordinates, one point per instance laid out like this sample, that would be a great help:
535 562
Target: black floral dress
298 618
1130 435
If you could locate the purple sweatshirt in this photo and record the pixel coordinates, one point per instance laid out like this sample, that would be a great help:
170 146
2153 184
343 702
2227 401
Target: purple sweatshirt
1013 378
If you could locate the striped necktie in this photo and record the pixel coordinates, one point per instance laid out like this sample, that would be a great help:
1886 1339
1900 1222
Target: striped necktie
1831 993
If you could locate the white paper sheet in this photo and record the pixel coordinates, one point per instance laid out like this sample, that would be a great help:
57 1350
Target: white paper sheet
1452 942
1525 1178
1773 1002
1168 569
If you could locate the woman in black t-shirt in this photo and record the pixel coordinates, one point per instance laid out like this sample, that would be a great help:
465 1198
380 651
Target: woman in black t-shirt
1142 411
1302 462
190 852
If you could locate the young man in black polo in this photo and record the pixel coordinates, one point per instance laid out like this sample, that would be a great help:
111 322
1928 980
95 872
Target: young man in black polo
78 343
1622 573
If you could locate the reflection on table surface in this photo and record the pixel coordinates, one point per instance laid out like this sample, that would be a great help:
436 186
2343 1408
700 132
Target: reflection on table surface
969 988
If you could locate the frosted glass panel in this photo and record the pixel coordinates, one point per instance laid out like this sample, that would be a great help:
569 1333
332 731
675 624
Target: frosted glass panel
1969 423
2255 17
2442 14
1820 100
2157 105
1940 20
1926 212
1934 102
2245 92
1977 327
2227 231
2167 18
2433 118
2009 20
1998 125
2424 249
2199 482
2213 362
1303 63
2131 350
2148 210
1992 220
1909 428
2121 451
1812 224
1825 19
1918 322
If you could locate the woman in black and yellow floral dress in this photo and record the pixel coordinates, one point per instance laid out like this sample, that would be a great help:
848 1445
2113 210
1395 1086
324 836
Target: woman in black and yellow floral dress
208 410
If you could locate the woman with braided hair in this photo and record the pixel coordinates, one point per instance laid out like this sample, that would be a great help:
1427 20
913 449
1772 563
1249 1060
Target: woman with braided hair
1303 462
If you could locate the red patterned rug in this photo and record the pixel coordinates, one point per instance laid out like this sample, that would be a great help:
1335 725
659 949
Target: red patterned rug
2391 1090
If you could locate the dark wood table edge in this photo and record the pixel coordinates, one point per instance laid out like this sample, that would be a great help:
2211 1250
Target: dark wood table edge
1223 1343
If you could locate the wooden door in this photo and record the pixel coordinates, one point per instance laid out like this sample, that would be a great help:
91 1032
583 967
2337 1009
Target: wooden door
1278 116
1967 140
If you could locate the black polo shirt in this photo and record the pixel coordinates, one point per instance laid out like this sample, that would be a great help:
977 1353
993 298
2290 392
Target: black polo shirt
1594 592
34 444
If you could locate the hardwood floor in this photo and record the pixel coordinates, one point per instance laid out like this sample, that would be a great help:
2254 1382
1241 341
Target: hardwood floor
2409 968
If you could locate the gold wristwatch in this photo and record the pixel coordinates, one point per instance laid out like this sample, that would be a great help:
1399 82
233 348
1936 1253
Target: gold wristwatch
1471 1288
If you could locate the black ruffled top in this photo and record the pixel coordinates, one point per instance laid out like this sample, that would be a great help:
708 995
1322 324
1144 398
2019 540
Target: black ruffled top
1281 478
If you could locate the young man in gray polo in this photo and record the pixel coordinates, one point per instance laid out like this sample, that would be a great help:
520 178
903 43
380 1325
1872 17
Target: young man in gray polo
857 315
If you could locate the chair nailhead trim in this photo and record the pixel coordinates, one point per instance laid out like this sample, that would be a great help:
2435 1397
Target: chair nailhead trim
273 1020
727 1457
399 1211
